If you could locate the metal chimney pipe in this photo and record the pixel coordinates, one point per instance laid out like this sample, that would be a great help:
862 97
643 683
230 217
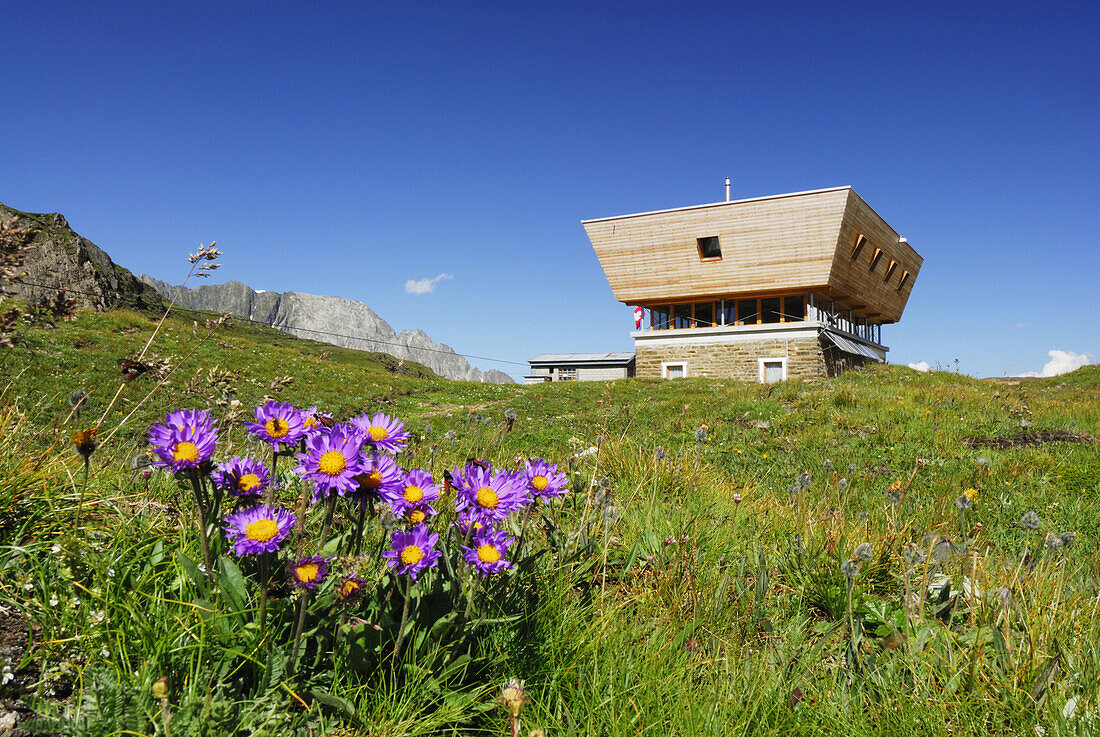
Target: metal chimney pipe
727 189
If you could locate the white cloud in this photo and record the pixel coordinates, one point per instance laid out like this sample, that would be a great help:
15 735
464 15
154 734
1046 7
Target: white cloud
922 366
424 286
1062 362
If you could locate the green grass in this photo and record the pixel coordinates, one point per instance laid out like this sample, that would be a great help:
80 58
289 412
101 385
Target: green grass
662 606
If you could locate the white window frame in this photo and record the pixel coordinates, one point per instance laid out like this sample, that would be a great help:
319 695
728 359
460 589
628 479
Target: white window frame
760 366
665 365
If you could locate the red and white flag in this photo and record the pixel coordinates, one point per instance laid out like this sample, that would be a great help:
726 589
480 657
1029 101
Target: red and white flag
639 313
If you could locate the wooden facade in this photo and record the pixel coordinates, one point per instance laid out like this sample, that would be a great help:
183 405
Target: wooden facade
814 273
770 246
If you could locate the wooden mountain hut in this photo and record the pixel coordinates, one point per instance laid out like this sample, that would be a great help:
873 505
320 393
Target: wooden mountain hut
762 289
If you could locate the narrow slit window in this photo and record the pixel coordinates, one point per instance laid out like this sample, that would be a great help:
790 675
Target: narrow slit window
861 241
890 270
904 280
709 247
875 259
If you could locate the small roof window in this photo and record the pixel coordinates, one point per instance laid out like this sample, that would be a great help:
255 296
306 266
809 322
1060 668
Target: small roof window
890 270
709 247
861 241
875 259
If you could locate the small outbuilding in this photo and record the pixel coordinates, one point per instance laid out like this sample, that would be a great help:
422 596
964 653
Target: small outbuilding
580 367
761 289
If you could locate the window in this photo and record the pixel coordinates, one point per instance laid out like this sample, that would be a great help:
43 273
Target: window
567 374
746 312
875 259
771 309
794 308
658 317
674 370
681 316
772 370
861 241
904 278
704 314
709 247
890 270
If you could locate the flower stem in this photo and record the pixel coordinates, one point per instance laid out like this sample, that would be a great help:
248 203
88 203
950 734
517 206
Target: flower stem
298 629
263 593
199 503
83 490
274 467
404 620
359 524
330 508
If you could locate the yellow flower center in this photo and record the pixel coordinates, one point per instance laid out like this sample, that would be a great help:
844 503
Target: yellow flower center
487 498
971 494
540 482
417 516
248 482
185 451
378 434
306 572
332 463
488 553
350 588
411 554
261 530
277 428
413 494
310 423
373 480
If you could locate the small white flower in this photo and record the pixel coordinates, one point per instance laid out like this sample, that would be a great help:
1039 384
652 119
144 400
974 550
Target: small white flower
54 601
110 573
98 616
202 567
28 586
55 549
8 676
76 602
105 653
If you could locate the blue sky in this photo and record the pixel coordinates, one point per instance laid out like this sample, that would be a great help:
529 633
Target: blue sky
345 149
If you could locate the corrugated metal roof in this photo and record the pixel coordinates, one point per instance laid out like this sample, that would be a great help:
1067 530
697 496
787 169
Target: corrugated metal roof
582 358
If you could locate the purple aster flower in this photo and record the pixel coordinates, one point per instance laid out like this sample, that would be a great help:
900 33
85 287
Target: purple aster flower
351 589
385 433
415 488
380 476
417 513
277 422
314 421
487 553
413 551
309 572
186 439
332 461
242 477
258 529
543 480
487 496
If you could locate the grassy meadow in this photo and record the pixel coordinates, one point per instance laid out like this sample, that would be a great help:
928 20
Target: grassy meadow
845 556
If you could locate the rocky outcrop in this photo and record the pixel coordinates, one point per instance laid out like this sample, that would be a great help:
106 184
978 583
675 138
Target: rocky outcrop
334 320
59 258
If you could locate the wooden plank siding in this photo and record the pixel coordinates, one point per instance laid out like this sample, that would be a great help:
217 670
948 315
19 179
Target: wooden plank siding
851 281
786 244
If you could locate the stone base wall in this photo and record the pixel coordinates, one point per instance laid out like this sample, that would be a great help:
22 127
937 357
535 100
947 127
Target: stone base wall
805 358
